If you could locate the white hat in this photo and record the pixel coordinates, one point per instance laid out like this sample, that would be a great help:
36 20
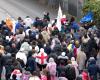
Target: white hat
36 48
49 25
64 16
91 58
41 50
51 59
63 53
72 59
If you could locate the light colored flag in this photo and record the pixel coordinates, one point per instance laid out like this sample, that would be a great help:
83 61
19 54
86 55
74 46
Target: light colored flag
58 24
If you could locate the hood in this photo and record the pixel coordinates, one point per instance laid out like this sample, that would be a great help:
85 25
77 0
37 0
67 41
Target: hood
51 60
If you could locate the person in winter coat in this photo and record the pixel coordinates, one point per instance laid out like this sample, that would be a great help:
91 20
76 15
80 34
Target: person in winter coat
1 64
98 62
9 23
31 64
98 59
28 22
81 58
45 35
61 69
26 46
46 16
74 63
19 24
41 59
93 69
63 57
9 68
85 75
20 35
2 51
44 75
70 72
51 67
17 73
79 77
92 45
21 55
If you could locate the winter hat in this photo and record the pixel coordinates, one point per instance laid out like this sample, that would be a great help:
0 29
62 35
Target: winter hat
91 58
51 59
36 48
49 25
72 59
64 16
77 42
41 50
63 54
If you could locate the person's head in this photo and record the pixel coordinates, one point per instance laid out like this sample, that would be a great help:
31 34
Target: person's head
14 77
35 73
47 13
13 55
72 19
19 18
37 18
69 62
36 49
3 22
13 45
30 53
21 30
62 62
33 48
85 36
7 48
27 16
51 60
44 72
72 59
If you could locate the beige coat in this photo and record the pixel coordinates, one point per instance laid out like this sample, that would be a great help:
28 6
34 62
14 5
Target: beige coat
81 58
45 35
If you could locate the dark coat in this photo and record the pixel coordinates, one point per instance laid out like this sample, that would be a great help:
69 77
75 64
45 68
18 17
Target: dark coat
92 68
1 63
70 72
61 71
31 64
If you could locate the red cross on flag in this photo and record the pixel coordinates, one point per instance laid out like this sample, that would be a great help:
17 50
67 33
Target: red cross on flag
42 57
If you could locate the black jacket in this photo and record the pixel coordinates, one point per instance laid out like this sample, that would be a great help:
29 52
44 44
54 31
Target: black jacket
70 72
1 63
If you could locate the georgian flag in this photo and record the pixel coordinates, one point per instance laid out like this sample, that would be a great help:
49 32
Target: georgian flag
41 58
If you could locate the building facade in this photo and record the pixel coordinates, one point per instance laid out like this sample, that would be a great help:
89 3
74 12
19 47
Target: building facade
72 7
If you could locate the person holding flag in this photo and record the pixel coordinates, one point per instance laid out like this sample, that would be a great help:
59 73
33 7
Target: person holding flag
41 59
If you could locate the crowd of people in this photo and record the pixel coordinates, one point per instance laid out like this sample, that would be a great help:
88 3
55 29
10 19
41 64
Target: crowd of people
37 50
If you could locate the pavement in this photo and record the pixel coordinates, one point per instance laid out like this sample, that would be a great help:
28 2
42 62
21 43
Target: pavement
23 8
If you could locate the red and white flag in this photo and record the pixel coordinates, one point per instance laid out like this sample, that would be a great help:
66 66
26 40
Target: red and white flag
41 58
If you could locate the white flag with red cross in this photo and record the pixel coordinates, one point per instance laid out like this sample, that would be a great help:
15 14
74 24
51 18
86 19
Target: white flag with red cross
41 58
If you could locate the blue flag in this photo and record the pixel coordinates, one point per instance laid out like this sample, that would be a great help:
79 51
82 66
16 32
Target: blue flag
87 18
